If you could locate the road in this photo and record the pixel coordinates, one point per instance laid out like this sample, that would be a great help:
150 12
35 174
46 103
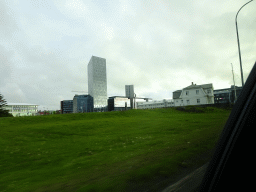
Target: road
190 183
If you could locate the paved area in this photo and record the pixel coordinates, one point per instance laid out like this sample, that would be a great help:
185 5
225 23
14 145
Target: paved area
190 183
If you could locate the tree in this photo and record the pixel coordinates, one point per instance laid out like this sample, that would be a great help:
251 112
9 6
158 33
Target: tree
3 111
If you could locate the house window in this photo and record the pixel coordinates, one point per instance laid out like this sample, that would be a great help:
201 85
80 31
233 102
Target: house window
187 92
197 92
198 100
181 101
208 91
187 101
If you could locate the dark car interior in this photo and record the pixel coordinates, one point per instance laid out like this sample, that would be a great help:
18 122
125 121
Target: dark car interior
232 165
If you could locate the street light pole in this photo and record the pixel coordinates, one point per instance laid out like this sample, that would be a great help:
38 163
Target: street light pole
234 82
242 78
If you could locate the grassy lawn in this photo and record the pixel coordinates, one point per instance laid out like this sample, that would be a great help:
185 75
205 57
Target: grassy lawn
113 151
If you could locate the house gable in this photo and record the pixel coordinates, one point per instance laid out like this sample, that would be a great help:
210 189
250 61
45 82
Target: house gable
195 95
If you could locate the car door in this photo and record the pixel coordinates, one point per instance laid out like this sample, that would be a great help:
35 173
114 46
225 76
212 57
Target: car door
232 165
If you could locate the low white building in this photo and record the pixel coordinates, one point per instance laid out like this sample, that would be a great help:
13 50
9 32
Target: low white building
194 95
155 104
22 109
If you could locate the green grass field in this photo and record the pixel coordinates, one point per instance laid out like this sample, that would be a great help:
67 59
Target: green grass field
112 151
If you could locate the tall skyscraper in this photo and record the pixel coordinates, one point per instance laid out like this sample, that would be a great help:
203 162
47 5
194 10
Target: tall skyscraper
97 82
129 91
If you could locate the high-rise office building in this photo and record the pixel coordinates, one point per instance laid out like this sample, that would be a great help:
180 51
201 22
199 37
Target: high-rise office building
129 91
97 82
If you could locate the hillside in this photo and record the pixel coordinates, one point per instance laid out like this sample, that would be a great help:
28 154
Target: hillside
114 151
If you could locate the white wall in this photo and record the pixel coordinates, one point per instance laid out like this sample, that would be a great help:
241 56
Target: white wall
197 96
155 104
22 109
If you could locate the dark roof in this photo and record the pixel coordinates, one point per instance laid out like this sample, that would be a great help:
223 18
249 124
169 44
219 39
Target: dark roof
118 96
204 86
82 96
127 97
227 89
97 57
176 94
177 91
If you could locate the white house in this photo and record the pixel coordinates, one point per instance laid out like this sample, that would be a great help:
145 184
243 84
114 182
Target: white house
194 95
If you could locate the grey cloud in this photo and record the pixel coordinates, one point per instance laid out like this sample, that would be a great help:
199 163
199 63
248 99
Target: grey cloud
8 24
159 46
5 66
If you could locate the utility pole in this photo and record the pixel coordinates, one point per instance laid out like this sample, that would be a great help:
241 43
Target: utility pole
234 82
238 43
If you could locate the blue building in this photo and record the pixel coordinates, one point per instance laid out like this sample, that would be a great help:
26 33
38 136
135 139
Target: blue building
228 95
82 103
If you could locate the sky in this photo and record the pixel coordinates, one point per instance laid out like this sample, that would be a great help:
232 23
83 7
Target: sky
159 46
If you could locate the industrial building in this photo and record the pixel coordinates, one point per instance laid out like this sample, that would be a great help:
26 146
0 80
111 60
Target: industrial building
21 109
118 103
121 103
97 82
228 95
155 104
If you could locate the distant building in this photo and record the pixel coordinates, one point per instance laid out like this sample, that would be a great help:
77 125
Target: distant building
235 91
66 106
194 95
118 103
41 113
176 94
155 104
121 103
22 109
97 82
222 95
226 95
129 91
82 104
176 97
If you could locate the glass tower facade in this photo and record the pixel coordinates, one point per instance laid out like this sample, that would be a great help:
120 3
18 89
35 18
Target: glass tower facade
129 91
82 104
97 82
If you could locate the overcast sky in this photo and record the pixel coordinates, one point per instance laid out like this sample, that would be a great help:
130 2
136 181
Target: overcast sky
158 45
